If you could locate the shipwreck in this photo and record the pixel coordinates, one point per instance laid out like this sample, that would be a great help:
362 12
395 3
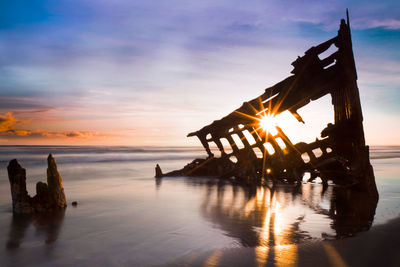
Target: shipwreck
343 156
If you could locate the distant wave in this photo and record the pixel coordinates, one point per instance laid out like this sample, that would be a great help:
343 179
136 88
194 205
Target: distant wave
384 155
104 160
384 152
72 154
32 155
95 149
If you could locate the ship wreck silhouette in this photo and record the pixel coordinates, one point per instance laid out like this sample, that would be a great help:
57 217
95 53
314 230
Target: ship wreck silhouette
343 156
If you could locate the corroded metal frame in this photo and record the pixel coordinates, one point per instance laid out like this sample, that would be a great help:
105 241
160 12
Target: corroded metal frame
343 157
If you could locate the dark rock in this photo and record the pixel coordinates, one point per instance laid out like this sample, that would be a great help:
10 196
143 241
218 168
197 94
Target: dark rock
21 201
41 188
49 197
159 173
42 201
74 203
54 181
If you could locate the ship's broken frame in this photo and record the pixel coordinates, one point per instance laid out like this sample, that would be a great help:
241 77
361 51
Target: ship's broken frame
343 156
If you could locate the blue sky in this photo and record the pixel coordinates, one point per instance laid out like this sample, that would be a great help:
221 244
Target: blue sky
148 72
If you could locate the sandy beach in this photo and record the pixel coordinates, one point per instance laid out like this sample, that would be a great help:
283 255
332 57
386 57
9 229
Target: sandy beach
377 247
126 217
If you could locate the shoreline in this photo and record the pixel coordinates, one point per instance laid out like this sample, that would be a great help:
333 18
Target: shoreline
126 218
378 246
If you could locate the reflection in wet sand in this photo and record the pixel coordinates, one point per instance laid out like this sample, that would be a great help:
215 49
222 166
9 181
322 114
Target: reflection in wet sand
274 220
351 212
48 224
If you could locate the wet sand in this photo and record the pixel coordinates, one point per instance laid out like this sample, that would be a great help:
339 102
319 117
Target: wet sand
126 217
378 247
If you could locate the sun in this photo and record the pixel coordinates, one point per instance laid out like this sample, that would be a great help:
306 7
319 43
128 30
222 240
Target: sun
268 124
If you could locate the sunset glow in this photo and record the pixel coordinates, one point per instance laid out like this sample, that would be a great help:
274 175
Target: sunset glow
157 71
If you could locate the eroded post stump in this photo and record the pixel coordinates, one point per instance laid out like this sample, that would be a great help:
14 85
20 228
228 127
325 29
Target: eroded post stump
49 197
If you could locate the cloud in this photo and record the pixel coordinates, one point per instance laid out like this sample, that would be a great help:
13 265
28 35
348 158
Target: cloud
141 63
387 23
9 123
80 134
22 103
18 132
49 134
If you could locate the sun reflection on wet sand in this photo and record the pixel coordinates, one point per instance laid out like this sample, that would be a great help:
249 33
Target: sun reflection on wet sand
213 260
261 255
286 255
272 235
275 220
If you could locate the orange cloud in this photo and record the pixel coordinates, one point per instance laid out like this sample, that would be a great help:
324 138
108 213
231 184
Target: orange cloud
8 127
18 132
71 134
7 121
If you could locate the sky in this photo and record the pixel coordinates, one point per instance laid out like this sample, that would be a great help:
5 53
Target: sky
113 72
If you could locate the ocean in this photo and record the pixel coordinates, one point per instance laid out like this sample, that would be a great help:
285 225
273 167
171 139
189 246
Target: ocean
126 217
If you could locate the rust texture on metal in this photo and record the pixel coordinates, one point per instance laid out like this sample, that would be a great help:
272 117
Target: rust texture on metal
343 157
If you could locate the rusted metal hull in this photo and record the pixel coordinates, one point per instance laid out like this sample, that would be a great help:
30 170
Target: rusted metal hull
343 156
